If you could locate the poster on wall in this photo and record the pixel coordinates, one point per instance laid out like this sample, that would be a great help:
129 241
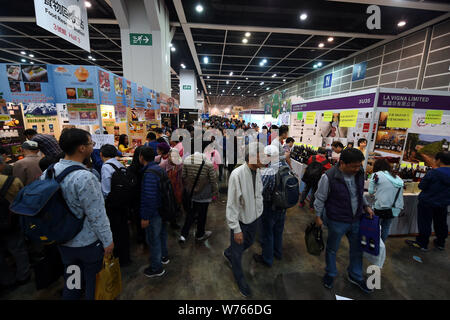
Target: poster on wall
11 131
39 109
26 83
63 114
138 114
83 113
389 141
4 112
423 147
419 124
120 113
332 128
111 88
75 84
44 125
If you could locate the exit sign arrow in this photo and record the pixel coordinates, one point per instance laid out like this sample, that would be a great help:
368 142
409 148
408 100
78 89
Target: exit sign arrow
140 39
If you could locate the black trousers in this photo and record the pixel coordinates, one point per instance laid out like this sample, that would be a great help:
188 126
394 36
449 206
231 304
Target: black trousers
118 220
200 210
427 215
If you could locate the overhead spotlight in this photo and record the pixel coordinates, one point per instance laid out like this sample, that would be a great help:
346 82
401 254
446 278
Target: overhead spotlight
321 45
262 82
267 88
246 78
315 66
89 57
248 34
401 23
223 90
248 91
232 94
173 49
32 62
284 80
183 66
170 45
228 82
207 77
303 16
23 60
330 39
264 61
23 52
319 64
209 86
31 55
87 4
254 94
205 60
93 59
231 73
245 40
261 64
274 75
199 8
239 88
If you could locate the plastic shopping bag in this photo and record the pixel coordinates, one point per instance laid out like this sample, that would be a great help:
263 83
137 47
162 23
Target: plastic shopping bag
109 280
379 259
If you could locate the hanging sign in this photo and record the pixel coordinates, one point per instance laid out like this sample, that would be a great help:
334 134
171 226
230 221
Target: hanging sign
310 117
434 116
399 118
140 39
327 116
65 18
348 118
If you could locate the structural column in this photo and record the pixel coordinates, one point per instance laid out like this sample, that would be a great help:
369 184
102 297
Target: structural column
145 62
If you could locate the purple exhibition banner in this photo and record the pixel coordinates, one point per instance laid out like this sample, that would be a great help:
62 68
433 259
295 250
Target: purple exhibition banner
352 102
257 112
414 101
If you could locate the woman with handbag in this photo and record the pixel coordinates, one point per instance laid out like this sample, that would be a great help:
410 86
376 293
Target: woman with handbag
388 190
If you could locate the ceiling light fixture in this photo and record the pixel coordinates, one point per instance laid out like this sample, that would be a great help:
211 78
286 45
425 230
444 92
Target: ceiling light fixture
199 8
245 40
303 16
232 94
264 61
183 66
87 4
274 75
32 62
223 90
321 45
254 94
246 78
93 59
315 66
23 52
205 60
207 77
89 57
284 80
319 64
31 55
262 82
248 34
231 73
23 60
401 23
330 39
209 86
173 49
228 82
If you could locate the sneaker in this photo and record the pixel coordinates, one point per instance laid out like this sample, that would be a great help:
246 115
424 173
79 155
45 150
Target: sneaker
205 236
415 244
259 259
361 284
245 290
153 274
182 239
328 281
438 246
228 260
165 260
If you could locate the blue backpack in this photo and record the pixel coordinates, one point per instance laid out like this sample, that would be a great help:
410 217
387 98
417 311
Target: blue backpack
45 216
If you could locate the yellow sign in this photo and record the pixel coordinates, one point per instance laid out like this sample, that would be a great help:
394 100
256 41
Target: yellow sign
422 164
399 118
327 116
310 117
403 165
434 116
348 118
409 165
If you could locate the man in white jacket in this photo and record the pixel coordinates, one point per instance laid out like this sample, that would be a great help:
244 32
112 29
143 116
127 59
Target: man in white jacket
244 207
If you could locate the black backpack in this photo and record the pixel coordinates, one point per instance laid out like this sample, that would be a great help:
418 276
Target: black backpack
286 191
5 215
123 183
314 172
169 207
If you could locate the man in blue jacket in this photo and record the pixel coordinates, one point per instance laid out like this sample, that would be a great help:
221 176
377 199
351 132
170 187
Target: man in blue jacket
433 204
155 228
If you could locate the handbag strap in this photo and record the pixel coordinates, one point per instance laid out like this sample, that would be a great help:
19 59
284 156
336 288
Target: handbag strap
396 197
196 178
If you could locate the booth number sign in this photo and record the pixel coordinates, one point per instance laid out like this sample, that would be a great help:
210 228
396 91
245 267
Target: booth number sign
140 39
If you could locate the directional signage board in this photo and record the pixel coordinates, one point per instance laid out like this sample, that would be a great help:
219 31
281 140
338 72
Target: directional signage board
327 80
140 39
65 18
187 87
359 71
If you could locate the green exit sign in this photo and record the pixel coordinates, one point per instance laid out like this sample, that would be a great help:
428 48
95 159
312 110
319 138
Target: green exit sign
140 39
186 87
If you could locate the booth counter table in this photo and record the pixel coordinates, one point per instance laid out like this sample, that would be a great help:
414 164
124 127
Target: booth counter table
406 222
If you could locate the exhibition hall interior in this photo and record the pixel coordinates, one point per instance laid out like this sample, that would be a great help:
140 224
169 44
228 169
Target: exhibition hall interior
224 150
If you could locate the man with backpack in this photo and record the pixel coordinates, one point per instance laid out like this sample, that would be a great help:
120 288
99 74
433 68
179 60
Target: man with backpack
11 238
277 182
81 191
116 188
151 220
317 165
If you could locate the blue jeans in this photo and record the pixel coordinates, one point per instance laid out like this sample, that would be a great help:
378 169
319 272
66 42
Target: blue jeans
90 260
156 236
336 230
235 251
272 235
385 227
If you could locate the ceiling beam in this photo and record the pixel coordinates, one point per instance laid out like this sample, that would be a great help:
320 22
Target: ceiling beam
187 33
421 5
287 30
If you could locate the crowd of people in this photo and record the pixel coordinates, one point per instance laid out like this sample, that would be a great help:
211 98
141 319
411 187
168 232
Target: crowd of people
112 198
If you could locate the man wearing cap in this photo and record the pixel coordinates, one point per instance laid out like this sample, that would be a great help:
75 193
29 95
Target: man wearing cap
47 143
27 169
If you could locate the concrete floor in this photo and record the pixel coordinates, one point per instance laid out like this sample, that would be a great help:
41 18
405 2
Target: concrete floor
198 270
